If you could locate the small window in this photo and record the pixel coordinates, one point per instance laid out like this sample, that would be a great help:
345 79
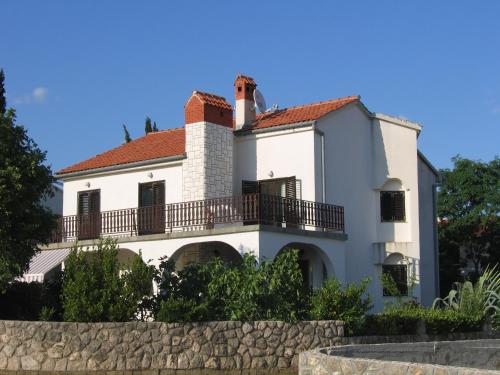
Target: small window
398 273
221 114
392 205
239 88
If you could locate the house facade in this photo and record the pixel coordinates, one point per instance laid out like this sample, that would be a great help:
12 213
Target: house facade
345 186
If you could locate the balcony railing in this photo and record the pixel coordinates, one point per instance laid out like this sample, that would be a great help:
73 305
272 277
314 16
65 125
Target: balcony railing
203 214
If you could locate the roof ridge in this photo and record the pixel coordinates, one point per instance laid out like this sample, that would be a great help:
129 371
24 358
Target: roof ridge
162 131
324 102
209 94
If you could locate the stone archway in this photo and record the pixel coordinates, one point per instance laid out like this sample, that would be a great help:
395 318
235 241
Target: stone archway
202 252
315 265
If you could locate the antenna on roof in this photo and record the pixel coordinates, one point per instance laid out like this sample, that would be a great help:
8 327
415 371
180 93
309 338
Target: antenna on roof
259 100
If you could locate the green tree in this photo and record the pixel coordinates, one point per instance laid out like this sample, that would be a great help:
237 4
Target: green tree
469 217
126 134
24 182
97 289
155 127
3 102
148 128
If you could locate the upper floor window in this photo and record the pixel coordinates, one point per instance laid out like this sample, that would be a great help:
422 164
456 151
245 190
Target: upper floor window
392 206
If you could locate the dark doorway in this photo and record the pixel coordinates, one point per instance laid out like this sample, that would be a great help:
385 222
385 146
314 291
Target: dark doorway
151 212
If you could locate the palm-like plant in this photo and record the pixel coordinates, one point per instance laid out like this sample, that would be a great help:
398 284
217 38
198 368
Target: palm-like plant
479 299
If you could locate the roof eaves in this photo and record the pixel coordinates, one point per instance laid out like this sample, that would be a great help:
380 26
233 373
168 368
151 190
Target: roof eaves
397 121
121 166
242 132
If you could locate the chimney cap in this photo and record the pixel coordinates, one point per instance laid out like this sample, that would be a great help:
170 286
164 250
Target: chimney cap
241 78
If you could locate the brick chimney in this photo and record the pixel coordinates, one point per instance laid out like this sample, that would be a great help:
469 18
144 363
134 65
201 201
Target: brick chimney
245 107
204 107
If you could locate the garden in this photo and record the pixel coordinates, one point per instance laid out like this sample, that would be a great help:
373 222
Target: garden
95 287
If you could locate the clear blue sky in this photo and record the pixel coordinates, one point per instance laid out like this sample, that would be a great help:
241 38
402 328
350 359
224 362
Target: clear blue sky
77 70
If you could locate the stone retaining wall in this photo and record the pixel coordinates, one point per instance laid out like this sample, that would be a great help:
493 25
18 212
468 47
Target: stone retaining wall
473 357
51 346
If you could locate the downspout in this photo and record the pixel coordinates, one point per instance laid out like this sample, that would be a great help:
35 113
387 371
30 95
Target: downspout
323 180
436 241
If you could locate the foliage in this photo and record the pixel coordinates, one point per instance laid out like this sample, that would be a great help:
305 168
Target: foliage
475 299
147 126
24 182
155 127
126 134
391 288
469 212
3 102
249 291
404 320
94 290
32 301
334 302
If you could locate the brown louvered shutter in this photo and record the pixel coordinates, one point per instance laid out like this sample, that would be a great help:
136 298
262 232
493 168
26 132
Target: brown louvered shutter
95 202
291 187
159 193
398 205
385 206
249 187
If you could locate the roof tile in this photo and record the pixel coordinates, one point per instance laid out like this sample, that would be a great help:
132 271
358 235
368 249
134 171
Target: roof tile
152 146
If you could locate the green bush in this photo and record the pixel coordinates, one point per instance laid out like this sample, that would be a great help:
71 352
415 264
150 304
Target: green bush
334 302
32 301
404 320
249 291
94 290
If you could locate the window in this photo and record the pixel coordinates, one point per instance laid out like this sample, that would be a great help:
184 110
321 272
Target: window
392 205
398 273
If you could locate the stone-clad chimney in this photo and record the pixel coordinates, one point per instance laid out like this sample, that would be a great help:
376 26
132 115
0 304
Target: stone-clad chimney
245 107
208 169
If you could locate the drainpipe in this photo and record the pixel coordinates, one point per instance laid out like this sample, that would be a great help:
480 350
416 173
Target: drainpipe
323 184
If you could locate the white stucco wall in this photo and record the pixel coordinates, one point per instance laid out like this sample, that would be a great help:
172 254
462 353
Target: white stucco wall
284 153
361 155
120 189
428 234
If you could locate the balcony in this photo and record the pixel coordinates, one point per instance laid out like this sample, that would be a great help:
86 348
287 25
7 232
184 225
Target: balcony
202 215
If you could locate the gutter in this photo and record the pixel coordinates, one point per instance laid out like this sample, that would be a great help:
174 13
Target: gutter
323 180
296 125
121 166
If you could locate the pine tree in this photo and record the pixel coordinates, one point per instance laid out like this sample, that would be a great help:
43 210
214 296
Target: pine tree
148 128
3 102
127 134
155 128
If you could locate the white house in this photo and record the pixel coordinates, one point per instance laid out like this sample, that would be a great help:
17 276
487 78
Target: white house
346 186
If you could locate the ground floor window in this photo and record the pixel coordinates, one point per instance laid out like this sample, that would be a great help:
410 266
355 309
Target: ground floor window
399 274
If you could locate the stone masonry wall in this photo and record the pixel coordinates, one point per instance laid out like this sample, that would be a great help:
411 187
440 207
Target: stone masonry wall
208 169
52 347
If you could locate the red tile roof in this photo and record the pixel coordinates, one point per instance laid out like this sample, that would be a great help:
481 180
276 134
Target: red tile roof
211 99
293 115
152 146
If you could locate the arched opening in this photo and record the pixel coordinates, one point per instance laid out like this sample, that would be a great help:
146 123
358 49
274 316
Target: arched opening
314 264
203 252
125 256
396 267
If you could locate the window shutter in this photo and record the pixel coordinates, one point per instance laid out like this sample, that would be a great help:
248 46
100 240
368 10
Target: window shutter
249 187
159 193
291 187
385 206
95 202
398 202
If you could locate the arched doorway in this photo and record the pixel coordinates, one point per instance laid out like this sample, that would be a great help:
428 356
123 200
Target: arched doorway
203 252
313 262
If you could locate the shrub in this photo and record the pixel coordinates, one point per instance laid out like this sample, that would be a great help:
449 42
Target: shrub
334 302
32 301
93 290
249 291
404 320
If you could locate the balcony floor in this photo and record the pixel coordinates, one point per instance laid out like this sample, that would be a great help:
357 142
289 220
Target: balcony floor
219 230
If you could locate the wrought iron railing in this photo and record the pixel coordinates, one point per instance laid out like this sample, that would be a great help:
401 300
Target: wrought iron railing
202 214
